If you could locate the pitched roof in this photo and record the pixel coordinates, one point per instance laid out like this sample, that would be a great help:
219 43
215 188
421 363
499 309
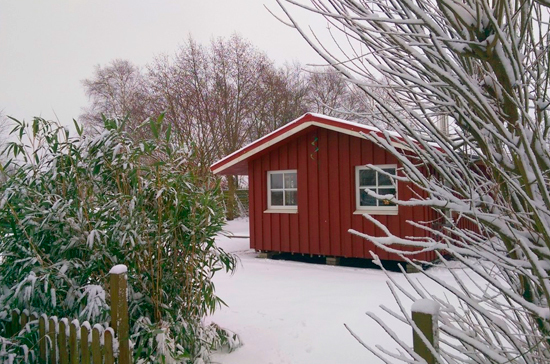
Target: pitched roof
237 162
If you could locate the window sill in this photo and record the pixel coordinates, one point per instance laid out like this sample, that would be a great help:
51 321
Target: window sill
281 211
376 212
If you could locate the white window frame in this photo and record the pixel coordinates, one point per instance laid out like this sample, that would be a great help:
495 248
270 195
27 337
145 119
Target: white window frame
285 208
374 210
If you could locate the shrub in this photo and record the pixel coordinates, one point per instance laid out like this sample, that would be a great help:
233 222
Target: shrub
74 207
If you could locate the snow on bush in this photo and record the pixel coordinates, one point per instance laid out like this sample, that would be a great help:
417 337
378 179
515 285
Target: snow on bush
75 207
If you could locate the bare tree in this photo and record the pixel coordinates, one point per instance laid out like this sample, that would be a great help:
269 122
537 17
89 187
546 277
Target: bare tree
331 95
117 90
483 64
215 96
280 98
179 87
237 70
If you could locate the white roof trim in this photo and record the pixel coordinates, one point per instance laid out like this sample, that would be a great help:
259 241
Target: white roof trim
291 132
261 146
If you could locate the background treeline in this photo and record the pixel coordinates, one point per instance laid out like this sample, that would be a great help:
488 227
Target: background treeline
217 98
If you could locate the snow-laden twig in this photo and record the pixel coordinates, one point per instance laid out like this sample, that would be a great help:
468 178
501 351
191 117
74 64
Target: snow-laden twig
483 65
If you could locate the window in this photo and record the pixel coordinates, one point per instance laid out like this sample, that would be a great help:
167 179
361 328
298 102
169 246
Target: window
380 183
282 191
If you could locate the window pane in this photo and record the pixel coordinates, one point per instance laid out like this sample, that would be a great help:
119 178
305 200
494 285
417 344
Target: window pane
277 198
277 181
384 180
291 198
290 180
386 191
367 177
366 200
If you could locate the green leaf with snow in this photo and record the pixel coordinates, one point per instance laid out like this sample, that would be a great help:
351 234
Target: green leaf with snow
81 205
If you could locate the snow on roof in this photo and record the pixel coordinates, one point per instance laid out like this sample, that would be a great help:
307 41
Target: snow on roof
235 163
352 123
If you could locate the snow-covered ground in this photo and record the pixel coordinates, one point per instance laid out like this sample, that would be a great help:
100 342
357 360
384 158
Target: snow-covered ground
293 312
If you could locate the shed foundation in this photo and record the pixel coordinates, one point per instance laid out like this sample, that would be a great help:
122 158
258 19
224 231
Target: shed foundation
333 261
265 255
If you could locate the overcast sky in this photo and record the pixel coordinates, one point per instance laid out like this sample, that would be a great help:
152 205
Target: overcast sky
47 47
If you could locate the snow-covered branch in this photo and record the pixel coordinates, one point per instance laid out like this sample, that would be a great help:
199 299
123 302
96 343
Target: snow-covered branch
482 65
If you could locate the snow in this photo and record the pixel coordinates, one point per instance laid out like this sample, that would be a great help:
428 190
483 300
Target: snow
462 11
76 324
44 318
118 269
294 312
100 330
88 327
290 129
426 306
55 322
115 344
94 296
65 322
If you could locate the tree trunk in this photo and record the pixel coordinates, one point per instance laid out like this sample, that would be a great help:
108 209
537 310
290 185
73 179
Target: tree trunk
231 203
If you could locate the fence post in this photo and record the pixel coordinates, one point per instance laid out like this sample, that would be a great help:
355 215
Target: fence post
119 311
85 332
97 332
62 341
73 342
424 315
53 326
43 340
15 325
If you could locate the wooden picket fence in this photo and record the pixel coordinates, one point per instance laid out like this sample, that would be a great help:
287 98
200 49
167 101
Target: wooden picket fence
61 342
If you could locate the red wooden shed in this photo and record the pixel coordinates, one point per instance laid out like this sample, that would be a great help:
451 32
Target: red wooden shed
306 190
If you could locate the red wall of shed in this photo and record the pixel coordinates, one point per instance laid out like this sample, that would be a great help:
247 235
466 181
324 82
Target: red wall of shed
325 161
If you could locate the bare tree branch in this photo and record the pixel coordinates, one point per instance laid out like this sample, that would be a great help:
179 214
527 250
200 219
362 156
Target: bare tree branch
483 65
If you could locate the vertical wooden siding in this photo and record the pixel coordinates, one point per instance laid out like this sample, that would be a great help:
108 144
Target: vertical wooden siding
325 161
